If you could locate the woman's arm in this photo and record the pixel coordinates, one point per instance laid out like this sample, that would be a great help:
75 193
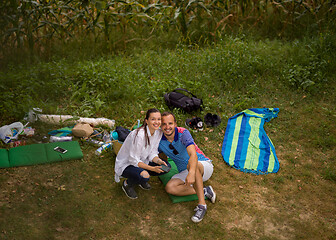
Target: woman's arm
158 161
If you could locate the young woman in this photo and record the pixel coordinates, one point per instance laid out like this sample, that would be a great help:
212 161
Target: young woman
138 158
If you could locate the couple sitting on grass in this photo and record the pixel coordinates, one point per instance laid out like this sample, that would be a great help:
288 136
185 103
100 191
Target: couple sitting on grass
138 159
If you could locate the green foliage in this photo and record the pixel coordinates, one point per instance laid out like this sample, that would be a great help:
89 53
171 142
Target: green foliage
22 87
37 26
303 77
312 65
91 87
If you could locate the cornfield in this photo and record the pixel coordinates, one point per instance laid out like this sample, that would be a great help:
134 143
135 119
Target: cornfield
37 24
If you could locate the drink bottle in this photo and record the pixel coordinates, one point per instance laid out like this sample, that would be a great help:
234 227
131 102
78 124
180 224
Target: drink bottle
60 139
103 148
95 142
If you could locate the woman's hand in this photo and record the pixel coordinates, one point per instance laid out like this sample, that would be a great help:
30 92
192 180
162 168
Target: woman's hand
161 162
157 169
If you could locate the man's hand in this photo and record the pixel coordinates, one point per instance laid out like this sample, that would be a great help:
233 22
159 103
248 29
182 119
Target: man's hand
190 179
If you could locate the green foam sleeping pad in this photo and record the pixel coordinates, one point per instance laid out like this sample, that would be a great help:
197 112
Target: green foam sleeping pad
39 154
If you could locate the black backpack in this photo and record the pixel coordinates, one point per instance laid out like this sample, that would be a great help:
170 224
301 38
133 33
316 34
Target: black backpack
122 133
180 100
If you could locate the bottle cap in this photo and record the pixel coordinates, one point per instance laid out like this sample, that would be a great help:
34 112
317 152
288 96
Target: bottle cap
115 135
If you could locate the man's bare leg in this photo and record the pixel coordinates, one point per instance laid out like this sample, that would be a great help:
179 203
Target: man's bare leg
178 188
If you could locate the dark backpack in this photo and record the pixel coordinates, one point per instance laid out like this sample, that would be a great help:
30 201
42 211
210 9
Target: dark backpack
122 133
180 100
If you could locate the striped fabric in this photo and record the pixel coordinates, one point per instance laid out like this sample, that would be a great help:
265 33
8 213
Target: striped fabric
246 146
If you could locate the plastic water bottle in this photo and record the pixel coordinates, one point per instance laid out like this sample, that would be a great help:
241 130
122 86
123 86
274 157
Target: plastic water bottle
103 148
95 142
106 137
60 139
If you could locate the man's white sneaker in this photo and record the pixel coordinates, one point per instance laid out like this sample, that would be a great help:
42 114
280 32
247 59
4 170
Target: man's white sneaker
199 214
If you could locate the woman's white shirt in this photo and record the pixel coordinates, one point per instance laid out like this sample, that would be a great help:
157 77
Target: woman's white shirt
135 150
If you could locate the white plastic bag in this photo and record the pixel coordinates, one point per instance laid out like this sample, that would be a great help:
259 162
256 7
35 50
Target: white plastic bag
11 132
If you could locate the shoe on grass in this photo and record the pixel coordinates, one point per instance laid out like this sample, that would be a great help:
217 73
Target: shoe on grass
216 120
191 123
212 120
200 211
195 124
199 124
129 190
210 193
208 119
145 186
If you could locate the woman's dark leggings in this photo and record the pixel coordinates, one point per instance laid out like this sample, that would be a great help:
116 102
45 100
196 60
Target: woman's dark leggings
133 174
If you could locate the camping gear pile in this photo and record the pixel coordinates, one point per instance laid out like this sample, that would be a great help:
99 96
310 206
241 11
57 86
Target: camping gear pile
24 145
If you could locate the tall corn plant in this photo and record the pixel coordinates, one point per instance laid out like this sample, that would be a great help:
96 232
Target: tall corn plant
26 23
35 24
187 12
294 16
123 17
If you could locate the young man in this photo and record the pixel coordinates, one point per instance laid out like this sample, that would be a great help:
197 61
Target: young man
193 166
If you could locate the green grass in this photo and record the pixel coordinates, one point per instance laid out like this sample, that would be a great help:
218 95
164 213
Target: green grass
80 200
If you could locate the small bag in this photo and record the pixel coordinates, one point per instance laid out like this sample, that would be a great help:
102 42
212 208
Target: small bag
122 133
180 100
11 132
82 130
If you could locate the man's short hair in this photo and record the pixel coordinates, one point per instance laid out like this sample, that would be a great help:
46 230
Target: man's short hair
167 114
